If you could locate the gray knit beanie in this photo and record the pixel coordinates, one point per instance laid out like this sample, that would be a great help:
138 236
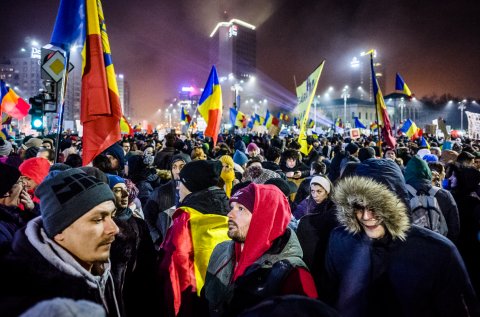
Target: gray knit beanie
67 195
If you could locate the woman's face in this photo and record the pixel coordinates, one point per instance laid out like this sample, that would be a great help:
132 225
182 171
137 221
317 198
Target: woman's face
318 193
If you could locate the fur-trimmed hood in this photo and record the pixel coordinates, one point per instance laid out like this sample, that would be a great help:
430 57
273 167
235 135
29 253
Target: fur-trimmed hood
367 192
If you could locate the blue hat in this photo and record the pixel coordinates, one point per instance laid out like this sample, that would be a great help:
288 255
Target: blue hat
240 158
114 180
430 158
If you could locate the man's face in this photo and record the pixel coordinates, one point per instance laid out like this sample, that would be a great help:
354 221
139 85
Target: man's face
47 145
113 161
390 154
372 225
29 183
126 147
121 195
318 193
291 162
89 238
182 191
252 153
239 219
477 163
149 150
176 168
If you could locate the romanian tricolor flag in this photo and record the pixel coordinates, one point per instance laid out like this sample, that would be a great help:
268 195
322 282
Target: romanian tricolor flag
210 105
238 118
359 124
125 127
311 123
296 122
382 114
270 120
4 133
187 248
339 123
410 129
6 119
11 103
284 117
81 22
373 126
424 143
184 116
400 85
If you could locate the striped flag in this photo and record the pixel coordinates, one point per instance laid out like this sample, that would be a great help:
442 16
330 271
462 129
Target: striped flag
184 116
210 105
81 22
400 85
383 119
125 127
238 118
410 129
11 103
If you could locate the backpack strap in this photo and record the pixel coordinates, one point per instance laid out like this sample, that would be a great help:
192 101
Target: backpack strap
433 191
411 190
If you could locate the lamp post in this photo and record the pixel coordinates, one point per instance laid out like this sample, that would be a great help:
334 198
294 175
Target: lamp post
345 95
462 106
401 105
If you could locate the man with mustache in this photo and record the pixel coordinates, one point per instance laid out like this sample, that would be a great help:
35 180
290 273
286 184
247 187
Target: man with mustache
263 259
378 264
65 252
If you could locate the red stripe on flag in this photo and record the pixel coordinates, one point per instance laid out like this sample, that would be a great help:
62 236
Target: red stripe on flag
214 121
95 94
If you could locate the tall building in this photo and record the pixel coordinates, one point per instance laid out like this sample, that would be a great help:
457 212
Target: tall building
124 94
233 50
22 72
361 76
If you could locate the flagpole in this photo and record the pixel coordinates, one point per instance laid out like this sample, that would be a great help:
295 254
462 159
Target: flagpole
376 108
61 104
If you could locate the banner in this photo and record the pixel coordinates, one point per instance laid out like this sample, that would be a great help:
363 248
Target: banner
305 94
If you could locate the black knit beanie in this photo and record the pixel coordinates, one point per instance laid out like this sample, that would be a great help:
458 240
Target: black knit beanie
67 195
201 174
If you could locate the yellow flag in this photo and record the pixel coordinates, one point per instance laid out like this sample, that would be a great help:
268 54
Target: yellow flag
305 94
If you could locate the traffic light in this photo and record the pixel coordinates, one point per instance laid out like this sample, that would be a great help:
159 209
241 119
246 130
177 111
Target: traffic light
36 112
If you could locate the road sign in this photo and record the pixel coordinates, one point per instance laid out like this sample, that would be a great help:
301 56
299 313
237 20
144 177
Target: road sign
55 65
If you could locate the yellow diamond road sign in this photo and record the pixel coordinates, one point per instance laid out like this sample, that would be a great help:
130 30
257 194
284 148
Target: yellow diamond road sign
55 65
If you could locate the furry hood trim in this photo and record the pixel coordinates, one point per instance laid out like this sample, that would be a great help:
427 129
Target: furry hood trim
369 193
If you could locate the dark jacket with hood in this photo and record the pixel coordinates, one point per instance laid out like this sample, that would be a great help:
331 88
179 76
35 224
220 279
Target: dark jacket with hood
467 197
133 260
39 269
198 224
269 264
419 176
10 222
163 158
410 271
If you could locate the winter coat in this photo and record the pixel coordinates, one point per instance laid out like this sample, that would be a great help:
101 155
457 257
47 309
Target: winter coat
10 222
279 271
133 259
468 201
158 221
39 269
309 206
313 234
163 158
334 169
198 225
411 271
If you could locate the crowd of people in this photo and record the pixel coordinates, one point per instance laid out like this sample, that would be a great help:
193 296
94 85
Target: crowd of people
175 225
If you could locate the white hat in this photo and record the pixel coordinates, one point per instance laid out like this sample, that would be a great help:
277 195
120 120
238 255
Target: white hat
322 181
423 152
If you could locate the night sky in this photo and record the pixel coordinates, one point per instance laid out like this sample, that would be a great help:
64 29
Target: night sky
161 45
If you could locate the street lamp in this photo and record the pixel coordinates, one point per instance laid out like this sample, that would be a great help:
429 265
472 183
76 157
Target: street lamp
462 106
401 105
345 95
